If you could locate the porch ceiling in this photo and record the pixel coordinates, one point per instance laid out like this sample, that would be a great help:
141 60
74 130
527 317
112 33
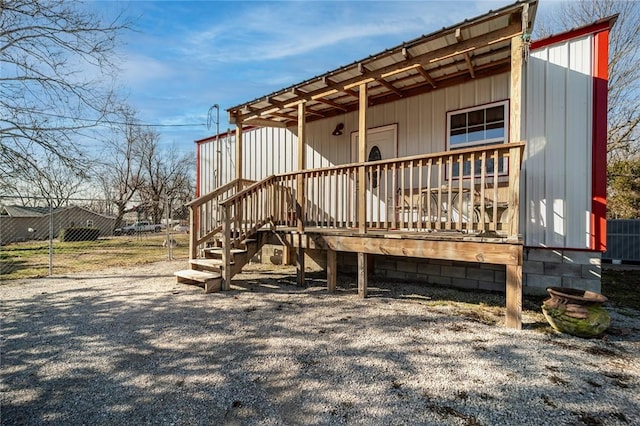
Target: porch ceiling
474 48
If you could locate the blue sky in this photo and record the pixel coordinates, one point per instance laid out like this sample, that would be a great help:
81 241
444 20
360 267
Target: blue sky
184 57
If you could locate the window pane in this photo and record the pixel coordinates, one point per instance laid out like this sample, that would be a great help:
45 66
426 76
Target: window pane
459 121
495 130
476 117
495 114
476 134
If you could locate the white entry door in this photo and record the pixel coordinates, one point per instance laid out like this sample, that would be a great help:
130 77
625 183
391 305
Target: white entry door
382 144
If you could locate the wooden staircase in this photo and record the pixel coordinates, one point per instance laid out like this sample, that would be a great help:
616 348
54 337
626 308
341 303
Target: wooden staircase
209 270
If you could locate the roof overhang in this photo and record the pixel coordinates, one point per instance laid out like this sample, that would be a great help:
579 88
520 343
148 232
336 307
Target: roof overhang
475 48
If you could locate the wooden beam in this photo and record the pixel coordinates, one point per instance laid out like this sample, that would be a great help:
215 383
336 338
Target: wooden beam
333 104
514 297
363 275
337 88
468 45
467 57
464 251
426 76
285 116
389 86
239 147
362 157
332 273
263 122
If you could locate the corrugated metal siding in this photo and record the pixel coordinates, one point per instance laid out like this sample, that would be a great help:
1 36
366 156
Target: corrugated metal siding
623 240
421 121
557 166
266 151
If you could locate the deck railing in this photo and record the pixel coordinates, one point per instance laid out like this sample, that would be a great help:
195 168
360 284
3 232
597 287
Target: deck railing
471 190
205 214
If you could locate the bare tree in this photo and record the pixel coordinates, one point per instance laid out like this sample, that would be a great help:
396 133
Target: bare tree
55 58
52 181
120 171
624 64
166 177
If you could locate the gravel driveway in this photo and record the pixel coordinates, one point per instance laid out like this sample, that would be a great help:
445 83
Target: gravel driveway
134 347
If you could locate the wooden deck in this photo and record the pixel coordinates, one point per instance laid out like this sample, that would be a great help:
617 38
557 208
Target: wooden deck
455 205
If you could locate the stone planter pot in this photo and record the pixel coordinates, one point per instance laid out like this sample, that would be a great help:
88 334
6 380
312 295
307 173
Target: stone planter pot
576 312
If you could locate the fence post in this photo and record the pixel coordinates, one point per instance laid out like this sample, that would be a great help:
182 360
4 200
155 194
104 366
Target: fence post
50 237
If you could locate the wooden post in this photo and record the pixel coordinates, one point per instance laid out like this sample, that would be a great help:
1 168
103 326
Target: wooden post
286 254
300 261
362 157
514 297
238 148
193 234
515 94
514 191
300 194
362 275
362 187
226 248
332 273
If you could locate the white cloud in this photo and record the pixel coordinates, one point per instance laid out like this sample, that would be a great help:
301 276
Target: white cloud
141 70
283 30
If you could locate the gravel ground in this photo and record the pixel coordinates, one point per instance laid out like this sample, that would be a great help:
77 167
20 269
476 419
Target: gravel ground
133 347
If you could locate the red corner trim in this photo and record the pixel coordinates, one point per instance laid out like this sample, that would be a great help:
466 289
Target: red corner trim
599 142
197 170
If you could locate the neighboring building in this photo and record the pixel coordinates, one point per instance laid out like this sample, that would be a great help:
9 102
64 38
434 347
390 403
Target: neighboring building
444 115
19 223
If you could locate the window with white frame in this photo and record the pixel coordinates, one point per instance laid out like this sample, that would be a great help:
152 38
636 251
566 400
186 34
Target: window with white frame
483 125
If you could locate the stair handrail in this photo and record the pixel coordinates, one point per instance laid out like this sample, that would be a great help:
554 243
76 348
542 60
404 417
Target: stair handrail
194 218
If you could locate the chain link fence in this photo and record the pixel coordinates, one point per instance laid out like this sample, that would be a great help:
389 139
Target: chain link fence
41 237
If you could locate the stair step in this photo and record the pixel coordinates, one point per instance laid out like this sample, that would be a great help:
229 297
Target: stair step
207 264
218 250
249 241
212 280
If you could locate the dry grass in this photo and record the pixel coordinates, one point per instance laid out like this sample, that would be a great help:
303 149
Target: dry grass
31 259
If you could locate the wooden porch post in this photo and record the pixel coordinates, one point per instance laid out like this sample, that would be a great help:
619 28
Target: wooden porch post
300 193
362 186
238 148
331 270
514 272
514 297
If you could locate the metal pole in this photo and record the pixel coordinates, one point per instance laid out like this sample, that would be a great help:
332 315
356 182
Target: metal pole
50 237
169 236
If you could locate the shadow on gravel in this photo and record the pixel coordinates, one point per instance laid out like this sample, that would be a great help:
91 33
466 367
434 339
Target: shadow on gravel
294 355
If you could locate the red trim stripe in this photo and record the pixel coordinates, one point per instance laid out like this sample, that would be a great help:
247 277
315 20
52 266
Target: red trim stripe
599 141
197 170
602 25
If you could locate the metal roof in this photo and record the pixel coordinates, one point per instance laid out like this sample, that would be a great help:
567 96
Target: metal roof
471 49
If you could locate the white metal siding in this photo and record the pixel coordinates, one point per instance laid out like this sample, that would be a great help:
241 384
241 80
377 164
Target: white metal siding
266 151
557 167
421 121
